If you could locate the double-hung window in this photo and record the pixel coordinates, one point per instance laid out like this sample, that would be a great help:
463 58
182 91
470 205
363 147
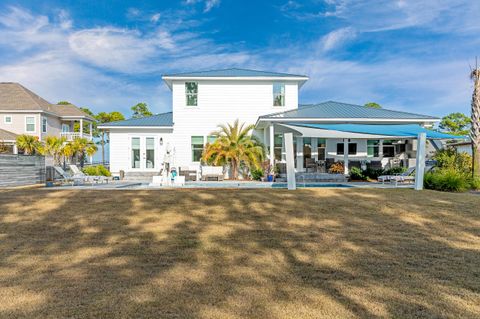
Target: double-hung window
278 142
44 125
30 124
191 93
197 148
352 149
373 147
278 94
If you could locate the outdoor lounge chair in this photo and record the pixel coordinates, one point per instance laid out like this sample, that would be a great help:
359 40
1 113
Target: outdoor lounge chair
67 178
88 178
212 172
403 177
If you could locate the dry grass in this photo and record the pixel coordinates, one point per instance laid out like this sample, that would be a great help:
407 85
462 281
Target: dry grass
239 253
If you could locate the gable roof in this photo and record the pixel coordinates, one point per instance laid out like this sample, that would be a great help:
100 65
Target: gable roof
233 72
7 135
162 119
16 97
344 111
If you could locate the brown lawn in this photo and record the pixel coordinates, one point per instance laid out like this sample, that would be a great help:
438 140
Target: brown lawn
239 253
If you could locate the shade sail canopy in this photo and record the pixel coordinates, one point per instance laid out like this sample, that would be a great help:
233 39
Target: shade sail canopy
372 130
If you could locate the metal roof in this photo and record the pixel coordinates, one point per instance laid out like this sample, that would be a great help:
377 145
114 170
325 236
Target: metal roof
233 72
394 130
338 110
162 119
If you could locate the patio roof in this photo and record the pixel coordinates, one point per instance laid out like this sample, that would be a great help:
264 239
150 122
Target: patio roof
367 130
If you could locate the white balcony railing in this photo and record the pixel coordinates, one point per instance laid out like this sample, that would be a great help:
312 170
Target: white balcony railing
70 136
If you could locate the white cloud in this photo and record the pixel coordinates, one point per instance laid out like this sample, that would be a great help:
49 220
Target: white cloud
155 17
210 4
337 38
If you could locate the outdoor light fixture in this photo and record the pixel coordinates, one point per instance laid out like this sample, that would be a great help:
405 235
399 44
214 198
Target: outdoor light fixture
161 141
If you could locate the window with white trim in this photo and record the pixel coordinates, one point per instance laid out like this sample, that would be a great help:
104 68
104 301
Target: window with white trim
191 93
30 123
7 119
65 128
197 148
278 94
44 125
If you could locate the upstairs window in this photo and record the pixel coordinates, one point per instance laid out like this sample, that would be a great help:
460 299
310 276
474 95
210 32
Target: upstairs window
44 125
30 124
278 94
191 93
7 119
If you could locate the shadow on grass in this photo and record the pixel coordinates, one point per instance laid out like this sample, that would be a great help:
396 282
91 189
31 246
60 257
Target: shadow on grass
239 253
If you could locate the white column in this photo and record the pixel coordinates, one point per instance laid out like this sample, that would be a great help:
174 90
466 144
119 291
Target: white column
81 128
380 149
15 148
265 140
315 148
90 126
291 183
299 154
272 145
420 168
345 156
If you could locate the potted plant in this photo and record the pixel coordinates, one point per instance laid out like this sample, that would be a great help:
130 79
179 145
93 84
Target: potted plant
271 173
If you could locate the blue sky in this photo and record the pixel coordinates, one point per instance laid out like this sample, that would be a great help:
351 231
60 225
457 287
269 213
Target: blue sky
108 55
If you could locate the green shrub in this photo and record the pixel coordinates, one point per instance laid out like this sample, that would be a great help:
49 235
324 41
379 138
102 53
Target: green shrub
451 159
447 180
372 173
98 170
357 174
257 174
475 183
394 171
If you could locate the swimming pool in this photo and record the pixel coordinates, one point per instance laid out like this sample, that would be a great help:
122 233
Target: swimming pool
313 185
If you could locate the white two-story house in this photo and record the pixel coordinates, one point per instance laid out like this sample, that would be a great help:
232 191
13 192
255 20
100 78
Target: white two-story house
324 132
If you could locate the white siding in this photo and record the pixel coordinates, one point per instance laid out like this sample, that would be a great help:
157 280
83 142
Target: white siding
222 102
120 147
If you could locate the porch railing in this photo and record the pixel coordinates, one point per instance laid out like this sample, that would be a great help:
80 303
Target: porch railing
70 136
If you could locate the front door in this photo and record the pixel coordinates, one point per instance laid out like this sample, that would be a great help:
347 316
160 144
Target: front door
142 153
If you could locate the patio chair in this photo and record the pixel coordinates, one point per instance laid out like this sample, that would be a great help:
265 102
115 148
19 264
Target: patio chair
88 178
189 173
67 178
212 172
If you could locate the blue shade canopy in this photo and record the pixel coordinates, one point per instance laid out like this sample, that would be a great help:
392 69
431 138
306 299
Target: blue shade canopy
399 130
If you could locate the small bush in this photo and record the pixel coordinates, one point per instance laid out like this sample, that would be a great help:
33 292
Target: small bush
357 174
451 159
447 180
98 170
372 173
394 171
475 183
257 174
336 168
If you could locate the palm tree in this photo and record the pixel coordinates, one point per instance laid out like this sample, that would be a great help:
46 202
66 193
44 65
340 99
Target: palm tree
234 145
28 143
475 130
79 148
53 146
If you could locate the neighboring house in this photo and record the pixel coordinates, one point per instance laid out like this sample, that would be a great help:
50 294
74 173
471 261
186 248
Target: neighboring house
203 100
462 147
24 112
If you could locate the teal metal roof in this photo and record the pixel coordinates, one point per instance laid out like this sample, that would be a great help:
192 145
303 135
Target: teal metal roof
163 119
397 130
331 109
233 72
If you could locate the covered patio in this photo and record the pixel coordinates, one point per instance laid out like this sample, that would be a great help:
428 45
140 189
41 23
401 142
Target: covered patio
350 134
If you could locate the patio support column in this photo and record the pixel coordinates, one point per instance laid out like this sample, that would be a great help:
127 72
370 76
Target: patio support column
315 148
90 126
291 183
299 154
420 169
380 149
345 156
15 148
265 139
272 145
81 128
